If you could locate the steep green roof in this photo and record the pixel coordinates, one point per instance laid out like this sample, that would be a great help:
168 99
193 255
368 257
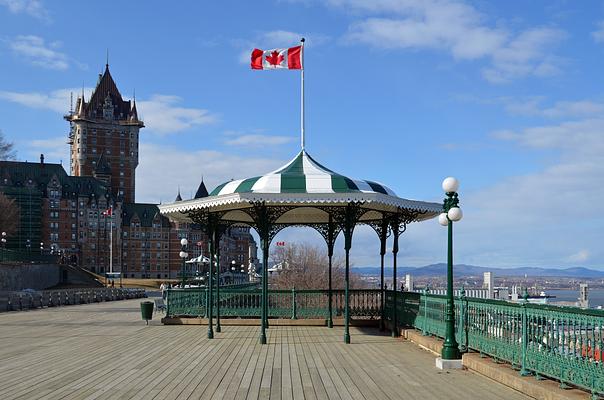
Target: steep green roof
146 213
18 174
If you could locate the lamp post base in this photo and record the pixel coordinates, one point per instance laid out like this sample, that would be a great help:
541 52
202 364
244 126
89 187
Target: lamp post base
448 364
347 338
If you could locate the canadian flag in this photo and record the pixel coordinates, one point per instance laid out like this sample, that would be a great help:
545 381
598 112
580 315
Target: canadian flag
108 212
277 58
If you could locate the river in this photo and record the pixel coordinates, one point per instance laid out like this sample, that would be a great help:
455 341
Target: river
596 296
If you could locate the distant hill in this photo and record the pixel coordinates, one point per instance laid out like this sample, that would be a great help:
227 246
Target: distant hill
473 270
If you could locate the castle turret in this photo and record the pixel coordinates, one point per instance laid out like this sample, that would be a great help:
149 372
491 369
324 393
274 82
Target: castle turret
106 125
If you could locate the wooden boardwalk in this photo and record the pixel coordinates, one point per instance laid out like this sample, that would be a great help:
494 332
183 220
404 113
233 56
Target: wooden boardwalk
104 351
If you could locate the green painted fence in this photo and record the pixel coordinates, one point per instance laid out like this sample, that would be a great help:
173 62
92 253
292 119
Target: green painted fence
246 303
564 343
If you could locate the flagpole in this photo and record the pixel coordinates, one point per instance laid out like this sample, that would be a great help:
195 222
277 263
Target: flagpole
302 95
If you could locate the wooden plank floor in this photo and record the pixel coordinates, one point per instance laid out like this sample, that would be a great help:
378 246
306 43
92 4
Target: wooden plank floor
104 351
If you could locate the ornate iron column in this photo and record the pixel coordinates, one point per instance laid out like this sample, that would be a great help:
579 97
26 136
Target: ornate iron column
347 218
211 225
331 238
218 327
264 219
382 228
395 235
330 232
212 236
398 225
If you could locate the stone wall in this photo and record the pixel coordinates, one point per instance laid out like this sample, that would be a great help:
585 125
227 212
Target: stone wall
33 276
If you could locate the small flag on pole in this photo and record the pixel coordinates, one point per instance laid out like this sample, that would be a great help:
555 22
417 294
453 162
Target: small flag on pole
277 58
108 212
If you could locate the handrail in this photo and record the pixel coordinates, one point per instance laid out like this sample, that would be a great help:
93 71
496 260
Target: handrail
562 343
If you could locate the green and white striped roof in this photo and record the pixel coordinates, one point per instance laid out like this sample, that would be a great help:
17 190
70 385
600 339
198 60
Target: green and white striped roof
301 175
307 187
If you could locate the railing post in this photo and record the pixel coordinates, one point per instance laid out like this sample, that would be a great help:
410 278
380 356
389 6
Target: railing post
425 324
524 345
205 309
294 303
463 315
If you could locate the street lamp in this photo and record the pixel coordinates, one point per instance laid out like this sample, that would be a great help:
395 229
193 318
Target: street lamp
41 247
183 254
451 213
3 244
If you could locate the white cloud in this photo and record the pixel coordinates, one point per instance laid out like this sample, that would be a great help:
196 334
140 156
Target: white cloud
57 100
525 55
259 140
457 28
541 217
534 107
36 51
184 169
598 34
162 114
33 8
54 149
579 257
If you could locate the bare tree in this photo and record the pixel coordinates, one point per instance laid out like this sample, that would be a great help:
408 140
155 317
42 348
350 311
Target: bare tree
307 267
9 216
7 150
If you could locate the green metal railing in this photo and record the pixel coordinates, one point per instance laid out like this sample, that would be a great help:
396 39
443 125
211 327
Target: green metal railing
246 303
564 343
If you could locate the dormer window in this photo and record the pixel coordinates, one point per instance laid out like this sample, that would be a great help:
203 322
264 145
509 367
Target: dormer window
108 108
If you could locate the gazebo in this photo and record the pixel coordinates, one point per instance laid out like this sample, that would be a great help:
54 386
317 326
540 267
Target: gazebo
303 193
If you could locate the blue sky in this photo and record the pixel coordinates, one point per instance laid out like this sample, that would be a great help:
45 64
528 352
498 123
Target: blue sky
506 96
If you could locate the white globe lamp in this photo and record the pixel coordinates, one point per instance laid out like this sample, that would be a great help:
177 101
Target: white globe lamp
443 220
455 214
184 242
450 184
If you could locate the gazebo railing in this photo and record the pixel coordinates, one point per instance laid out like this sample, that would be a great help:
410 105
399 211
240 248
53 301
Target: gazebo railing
303 304
564 343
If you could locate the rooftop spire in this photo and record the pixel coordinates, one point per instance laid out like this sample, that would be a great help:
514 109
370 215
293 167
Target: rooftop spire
107 62
178 197
202 191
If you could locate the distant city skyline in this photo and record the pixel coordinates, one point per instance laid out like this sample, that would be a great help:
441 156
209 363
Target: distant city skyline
506 96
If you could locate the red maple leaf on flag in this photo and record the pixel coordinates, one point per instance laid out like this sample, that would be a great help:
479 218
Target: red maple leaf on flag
275 58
